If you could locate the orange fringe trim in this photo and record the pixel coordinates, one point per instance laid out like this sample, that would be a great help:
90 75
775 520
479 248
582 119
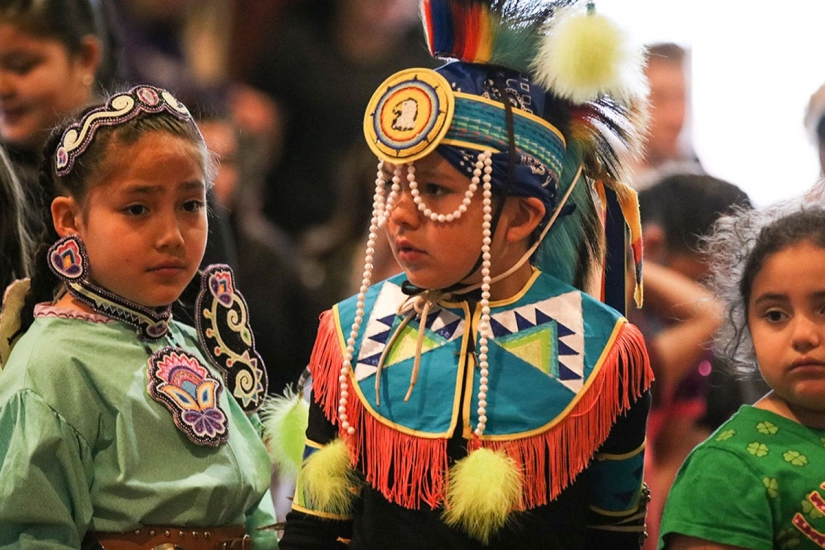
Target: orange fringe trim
325 366
567 448
411 471
419 465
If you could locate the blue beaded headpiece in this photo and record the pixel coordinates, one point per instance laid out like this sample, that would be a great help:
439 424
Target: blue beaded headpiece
552 90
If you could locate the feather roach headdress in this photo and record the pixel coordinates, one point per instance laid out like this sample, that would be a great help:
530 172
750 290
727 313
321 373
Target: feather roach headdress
577 94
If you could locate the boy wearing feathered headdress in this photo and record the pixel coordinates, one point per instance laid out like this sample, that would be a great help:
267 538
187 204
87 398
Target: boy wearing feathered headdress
487 397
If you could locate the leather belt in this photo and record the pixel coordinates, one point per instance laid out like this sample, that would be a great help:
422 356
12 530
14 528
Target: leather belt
176 538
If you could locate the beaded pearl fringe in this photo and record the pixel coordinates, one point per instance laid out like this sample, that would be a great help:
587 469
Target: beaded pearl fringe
381 207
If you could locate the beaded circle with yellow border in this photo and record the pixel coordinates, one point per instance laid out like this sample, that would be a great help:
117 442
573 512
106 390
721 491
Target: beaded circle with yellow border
408 117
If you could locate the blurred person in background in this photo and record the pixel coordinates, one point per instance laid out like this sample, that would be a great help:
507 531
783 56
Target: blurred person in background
694 392
56 56
321 69
667 150
184 46
285 314
180 44
815 124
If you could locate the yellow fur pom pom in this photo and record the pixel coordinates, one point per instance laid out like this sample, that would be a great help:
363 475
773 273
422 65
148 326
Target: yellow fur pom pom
13 300
328 479
484 487
285 422
585 55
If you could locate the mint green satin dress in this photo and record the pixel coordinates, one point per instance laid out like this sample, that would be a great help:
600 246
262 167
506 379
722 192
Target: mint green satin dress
84 447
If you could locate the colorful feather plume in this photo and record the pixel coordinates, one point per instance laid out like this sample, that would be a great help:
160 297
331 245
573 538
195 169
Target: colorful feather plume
596 76
579 55
498 32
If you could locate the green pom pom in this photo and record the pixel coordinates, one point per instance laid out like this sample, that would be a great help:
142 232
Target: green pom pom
328 479
484 488
285 421
585 55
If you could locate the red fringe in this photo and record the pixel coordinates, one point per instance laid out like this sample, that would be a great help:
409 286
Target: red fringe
325 365
419 466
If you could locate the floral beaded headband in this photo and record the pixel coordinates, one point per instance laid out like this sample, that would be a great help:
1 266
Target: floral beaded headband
120 108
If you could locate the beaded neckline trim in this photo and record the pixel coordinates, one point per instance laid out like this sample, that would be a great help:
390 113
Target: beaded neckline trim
68 260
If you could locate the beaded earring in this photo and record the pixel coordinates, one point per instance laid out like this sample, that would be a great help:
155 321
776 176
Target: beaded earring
69 262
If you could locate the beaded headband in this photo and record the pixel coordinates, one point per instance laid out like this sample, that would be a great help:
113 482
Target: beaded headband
416 110
118 109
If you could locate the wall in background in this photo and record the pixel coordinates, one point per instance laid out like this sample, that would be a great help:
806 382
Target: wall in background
754 67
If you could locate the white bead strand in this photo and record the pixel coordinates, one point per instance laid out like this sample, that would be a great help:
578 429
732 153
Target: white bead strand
380 197
395 189
442 218
381 206
484 164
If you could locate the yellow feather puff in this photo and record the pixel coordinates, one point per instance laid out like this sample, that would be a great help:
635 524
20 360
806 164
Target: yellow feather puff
13 300
285 421
585 55
328 480
484 487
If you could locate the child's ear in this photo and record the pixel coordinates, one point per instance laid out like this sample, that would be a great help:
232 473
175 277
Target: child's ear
65 216
526 214
90 55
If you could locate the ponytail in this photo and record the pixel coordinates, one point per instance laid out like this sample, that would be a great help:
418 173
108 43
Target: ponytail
44 283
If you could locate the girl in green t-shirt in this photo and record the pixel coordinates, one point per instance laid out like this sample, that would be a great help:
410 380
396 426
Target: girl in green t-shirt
759 481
